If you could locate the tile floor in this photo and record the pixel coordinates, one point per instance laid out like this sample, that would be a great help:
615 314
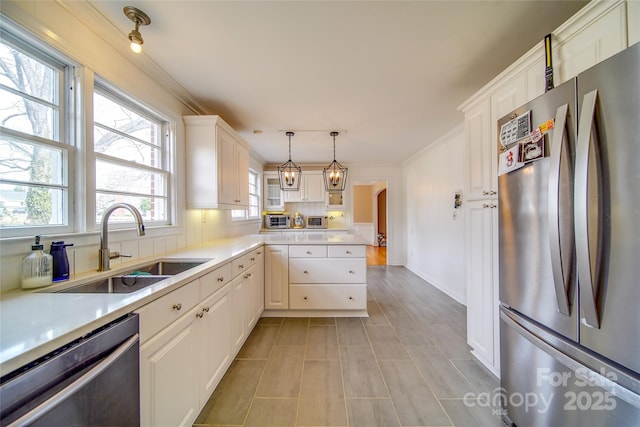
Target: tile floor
407 364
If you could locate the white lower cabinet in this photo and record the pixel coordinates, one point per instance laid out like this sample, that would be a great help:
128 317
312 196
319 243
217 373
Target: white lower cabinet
327 277
276 277
216 340
169 373
190 336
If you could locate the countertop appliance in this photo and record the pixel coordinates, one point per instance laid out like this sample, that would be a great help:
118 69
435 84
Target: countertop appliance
317 221
93 381
274 221
569 241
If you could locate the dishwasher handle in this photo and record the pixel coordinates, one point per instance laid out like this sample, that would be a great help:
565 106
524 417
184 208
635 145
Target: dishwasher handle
72 388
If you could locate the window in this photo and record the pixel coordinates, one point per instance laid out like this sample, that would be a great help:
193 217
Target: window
49 175
254 200
130 158
34 147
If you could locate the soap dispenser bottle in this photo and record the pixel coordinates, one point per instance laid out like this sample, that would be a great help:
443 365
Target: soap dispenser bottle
37 267
60 261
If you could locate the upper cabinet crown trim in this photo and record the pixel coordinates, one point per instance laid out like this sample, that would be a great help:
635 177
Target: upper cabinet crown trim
565 32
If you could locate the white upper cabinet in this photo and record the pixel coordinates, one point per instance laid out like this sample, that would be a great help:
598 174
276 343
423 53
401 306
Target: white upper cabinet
596 37
311 188
217 165
478 141
272 195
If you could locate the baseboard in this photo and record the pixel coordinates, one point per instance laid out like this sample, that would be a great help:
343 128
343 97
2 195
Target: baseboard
456 296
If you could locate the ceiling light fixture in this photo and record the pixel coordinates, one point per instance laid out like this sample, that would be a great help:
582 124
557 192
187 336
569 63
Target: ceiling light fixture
139 18
335 175
287 172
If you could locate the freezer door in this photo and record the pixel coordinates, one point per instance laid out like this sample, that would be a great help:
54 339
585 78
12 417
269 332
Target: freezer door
607 207
549 382
536 252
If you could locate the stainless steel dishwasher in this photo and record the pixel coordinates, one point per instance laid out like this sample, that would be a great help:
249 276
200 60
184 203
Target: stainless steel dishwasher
92 381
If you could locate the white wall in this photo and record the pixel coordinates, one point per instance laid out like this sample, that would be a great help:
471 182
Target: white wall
435 238
79 33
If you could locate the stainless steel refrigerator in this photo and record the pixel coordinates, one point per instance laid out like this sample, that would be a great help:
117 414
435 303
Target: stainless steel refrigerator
569 254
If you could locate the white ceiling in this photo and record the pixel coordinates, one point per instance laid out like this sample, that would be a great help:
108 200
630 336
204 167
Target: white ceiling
388 75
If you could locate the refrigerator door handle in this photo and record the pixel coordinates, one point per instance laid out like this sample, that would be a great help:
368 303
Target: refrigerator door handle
587 284
578 368
559 277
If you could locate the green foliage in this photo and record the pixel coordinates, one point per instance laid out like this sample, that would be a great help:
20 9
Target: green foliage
38 200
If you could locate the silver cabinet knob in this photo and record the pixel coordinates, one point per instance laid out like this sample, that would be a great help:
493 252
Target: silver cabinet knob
348 252
352 272
305 272
253 259
199 314
351 298
221 279
177 307
241 266
305 298
205 309
308 252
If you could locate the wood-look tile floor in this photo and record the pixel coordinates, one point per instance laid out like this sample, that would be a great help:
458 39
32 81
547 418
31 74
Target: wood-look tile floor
407 364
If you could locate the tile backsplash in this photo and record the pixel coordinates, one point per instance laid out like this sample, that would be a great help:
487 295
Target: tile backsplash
200 226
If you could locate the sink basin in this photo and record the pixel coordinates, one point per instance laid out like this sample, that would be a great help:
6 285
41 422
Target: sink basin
134 279
165 267
115 285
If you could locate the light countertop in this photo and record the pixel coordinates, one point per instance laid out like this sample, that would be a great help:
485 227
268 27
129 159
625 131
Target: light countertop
34 323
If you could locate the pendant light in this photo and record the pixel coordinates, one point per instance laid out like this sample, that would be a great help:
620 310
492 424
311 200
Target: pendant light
289 173
335 175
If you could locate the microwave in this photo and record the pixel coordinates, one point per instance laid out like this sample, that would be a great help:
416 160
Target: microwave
277 221
317 221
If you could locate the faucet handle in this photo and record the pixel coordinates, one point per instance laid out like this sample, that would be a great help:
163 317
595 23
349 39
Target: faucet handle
116 254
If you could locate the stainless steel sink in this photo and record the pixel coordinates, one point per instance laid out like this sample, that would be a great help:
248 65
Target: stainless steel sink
135 278
115 285
165 267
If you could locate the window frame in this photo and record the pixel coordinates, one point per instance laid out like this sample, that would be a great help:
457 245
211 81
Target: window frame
64 135
75 138
235 213
167 169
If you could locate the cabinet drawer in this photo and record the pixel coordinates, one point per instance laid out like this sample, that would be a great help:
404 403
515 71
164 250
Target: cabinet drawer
327 270
156 315
307 251
254 256
239 265
347 251
328 297
211 282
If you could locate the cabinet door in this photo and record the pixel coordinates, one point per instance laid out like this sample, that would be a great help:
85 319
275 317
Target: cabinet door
242 176
597 41
314 187
257 284
169 375
478 142
481 296
215 325
227 175
273 196
276 277
239 316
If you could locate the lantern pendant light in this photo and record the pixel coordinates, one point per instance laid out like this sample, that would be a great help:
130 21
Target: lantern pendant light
289 173
335 175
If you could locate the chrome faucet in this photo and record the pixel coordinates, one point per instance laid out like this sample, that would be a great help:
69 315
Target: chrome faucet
104 255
